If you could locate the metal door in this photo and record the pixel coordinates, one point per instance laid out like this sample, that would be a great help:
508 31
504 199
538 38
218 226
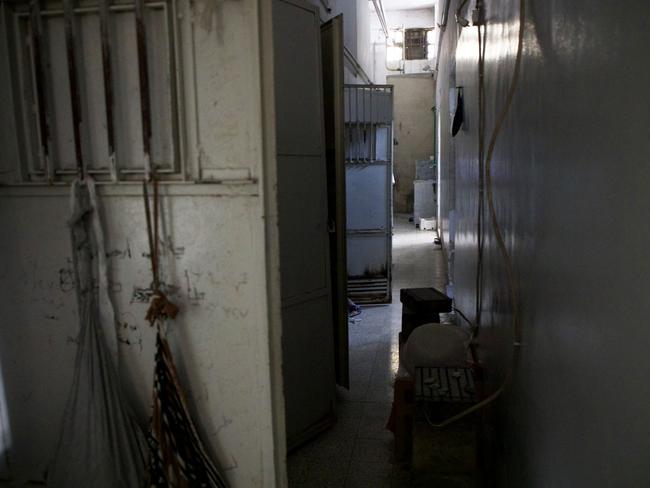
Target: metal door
369 195
333 95
307 342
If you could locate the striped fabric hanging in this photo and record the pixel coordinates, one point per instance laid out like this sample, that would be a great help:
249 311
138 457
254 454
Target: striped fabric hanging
177 457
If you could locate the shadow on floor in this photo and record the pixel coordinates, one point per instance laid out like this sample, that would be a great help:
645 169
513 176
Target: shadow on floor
358 450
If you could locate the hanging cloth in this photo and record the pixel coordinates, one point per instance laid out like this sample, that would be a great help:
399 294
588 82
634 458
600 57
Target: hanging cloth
177 457
100 444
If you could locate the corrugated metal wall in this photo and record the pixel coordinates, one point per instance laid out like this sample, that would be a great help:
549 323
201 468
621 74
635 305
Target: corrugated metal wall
570 179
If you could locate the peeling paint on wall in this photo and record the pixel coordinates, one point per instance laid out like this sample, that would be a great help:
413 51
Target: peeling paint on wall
213 266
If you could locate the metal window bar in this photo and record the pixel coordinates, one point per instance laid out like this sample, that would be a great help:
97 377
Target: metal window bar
373 136
38 69
360 94
351 121
73 81
357 117
178 108
108 86
367 113
359 121
364 126
347 110
364 119
176 136
38 62
143 67
358 129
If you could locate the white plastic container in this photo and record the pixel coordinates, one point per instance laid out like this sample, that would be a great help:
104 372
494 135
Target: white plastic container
427 224
436 345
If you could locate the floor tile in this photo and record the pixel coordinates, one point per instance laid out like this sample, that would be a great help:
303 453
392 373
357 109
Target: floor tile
369 475
401 477
357 391
373 450
379 393
326 474
358 450
348 410
382 377
374 420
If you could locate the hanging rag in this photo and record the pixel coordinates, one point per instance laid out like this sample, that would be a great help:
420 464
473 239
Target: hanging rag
177 456
100 444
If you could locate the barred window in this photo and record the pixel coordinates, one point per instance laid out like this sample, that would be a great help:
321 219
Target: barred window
96 89
418 44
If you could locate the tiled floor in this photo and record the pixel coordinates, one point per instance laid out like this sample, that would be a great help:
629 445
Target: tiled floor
357 451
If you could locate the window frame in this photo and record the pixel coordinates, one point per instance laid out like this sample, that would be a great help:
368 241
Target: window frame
422 32
34 166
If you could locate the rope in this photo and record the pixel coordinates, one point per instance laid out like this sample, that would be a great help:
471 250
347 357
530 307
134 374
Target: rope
514 302
160 307
177 455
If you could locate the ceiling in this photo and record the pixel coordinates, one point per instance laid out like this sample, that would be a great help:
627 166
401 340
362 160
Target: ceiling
407 4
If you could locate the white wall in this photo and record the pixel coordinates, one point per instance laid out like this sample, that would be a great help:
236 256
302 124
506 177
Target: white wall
215 256
414 18
364 46
413 99
570 178
356 34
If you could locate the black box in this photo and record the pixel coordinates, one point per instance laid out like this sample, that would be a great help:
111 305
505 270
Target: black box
421 306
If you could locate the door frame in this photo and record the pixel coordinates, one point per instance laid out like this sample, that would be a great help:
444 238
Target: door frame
268 190
334 115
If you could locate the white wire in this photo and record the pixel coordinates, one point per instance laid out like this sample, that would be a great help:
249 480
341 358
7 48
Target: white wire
498 233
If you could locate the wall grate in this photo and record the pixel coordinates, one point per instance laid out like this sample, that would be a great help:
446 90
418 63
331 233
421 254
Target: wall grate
361 290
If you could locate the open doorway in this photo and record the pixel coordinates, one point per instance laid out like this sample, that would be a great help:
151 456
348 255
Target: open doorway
343 234
308 83
369 193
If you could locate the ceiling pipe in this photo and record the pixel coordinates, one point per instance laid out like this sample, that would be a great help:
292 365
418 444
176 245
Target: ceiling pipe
359 71
379 10
441 30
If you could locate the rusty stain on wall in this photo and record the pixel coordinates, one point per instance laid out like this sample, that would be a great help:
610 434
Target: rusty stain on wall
192 293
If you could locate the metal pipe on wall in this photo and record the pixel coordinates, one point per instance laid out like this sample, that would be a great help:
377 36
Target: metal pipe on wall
379 10
357 67
143 73
435 134
441 30
73 81
108 85
40 95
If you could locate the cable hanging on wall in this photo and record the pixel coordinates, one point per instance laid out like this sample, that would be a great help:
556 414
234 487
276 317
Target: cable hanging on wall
486 188
177 456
